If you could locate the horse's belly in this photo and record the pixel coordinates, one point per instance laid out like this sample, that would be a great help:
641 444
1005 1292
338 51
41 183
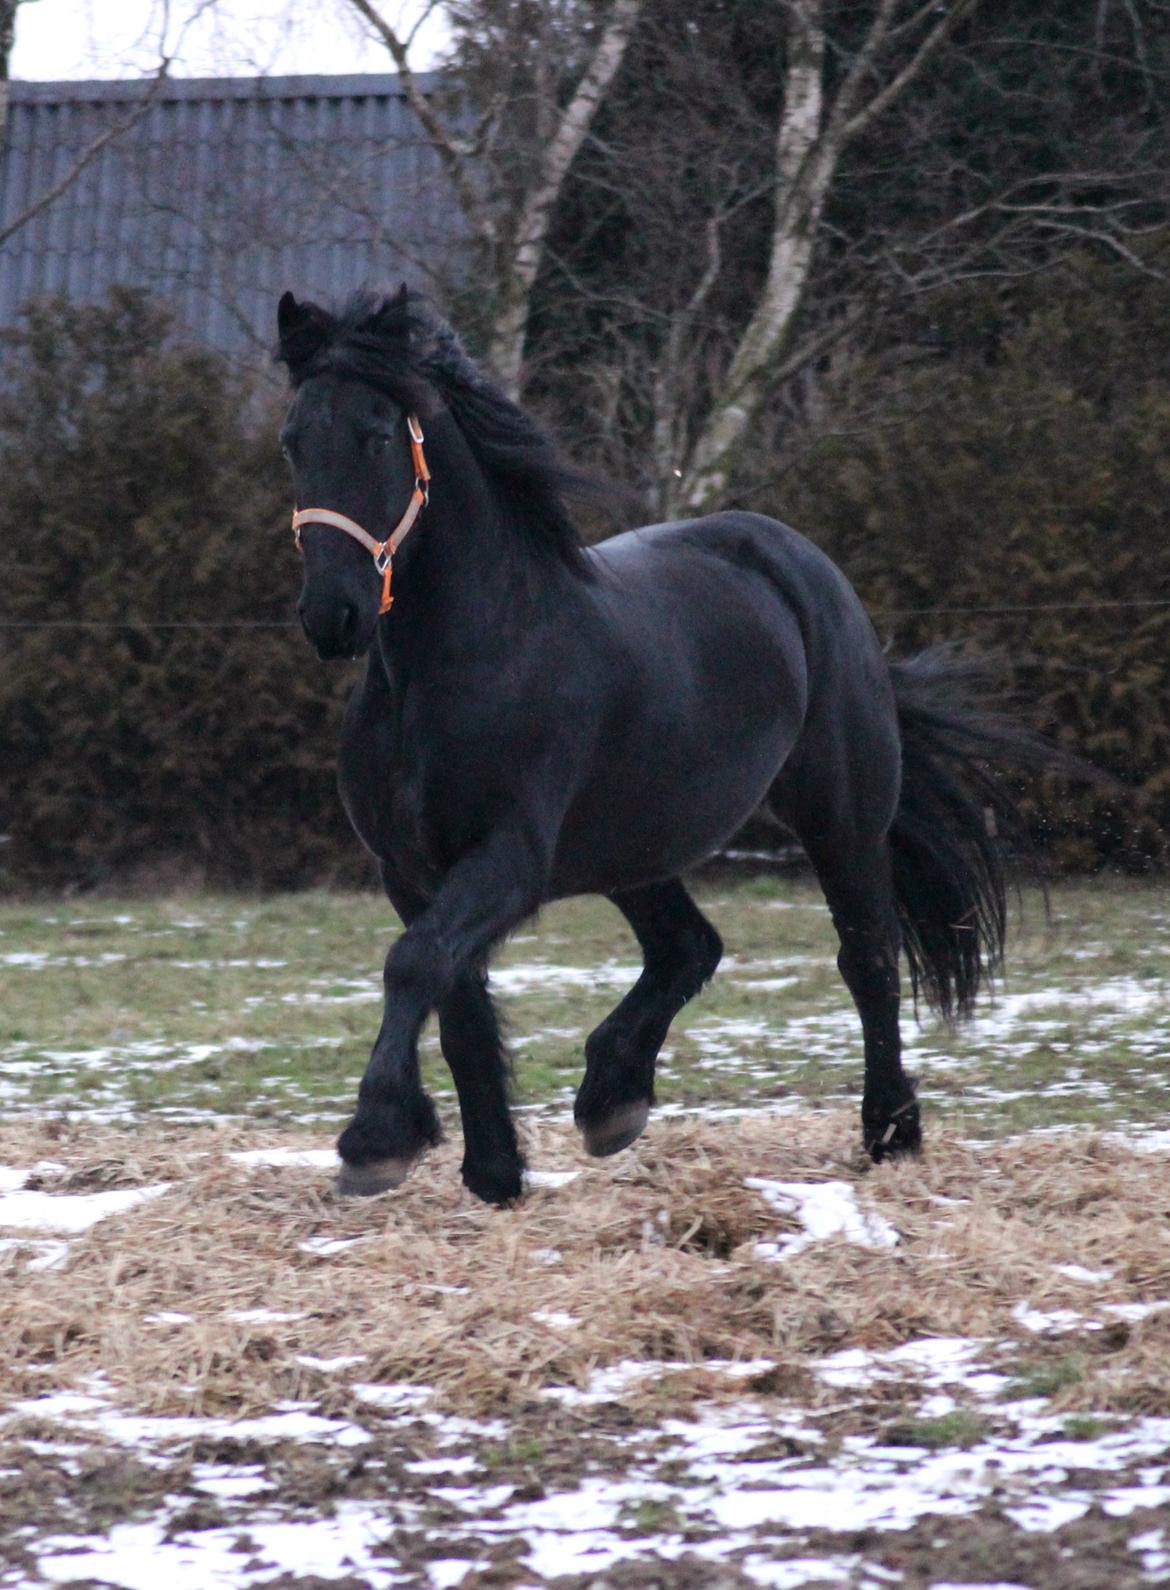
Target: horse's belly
660 814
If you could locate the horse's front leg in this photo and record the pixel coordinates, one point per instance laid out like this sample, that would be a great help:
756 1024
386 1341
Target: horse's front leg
486 893
473 1047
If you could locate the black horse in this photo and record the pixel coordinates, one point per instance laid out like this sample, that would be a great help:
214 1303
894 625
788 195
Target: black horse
538 720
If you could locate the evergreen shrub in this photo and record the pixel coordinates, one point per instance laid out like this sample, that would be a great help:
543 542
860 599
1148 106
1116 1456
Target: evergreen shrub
150 724
1015 497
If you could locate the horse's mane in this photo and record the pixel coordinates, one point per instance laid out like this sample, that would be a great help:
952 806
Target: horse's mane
402 347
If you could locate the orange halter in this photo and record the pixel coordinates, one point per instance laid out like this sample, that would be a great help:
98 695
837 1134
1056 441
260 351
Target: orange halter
382 551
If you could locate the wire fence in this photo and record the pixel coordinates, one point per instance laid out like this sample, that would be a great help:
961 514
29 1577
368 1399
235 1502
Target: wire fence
1021 609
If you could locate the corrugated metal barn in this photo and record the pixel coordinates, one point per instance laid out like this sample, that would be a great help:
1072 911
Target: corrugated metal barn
222 193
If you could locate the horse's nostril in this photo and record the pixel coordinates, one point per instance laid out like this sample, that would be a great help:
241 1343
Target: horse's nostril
347 629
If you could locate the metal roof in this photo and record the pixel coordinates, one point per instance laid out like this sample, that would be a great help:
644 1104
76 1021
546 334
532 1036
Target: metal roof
223 193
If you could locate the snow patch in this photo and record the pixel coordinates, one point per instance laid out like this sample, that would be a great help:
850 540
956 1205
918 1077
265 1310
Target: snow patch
141 1557
550 1178
609 1384
554 1319
1078 1272
71 1212
825 1209
282 1158
49 1254
934 1360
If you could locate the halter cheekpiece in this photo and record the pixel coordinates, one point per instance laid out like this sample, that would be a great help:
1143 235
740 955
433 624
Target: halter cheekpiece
381 551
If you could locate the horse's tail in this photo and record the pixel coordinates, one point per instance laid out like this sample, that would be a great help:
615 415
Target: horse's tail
956 824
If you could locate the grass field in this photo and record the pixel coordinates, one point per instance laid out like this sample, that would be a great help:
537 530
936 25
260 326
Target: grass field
265 1010
733 1356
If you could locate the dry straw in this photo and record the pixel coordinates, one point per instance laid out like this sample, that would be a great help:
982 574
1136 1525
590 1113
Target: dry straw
651 1256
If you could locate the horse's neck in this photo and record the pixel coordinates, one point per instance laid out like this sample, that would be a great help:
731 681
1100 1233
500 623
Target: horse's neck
472 582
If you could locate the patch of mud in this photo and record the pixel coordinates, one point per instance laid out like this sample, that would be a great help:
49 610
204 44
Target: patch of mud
578 1499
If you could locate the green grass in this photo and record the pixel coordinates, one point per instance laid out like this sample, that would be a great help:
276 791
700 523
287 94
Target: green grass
961 1428
647 1516
211 1005
1085 1426
1045 1378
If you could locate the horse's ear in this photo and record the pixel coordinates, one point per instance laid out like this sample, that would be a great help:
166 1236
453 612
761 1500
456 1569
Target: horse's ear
303 329
390 311
389 316
290 316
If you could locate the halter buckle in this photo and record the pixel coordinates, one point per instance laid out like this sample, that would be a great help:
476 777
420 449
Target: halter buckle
382 557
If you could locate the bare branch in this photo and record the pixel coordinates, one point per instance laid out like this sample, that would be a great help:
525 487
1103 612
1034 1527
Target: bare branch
930 46
451 153
1109 241
90 153
424 17
871 46
668 416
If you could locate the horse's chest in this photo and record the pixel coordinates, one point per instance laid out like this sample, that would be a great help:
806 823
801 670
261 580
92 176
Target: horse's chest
418 801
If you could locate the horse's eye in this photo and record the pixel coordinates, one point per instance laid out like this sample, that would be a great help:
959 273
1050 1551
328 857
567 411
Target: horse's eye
378 442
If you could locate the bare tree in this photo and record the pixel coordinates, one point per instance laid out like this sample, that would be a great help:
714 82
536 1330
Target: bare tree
109 134
820 118
168 51
751 247
551 68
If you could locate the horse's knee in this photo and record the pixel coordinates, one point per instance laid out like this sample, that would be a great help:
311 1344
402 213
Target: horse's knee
870 972
419 968
685 961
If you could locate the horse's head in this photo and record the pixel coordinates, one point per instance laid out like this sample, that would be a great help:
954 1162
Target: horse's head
350 449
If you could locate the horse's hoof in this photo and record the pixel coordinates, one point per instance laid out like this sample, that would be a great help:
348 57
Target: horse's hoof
500 1183
617 1131
377 1176
900 1138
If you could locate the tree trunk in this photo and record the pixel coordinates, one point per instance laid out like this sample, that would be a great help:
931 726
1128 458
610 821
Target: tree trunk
518 272
812 136
805 163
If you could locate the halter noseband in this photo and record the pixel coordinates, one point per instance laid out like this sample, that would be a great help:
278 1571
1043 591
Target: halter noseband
381 551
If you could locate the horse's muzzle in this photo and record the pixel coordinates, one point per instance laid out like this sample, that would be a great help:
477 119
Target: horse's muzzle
340 630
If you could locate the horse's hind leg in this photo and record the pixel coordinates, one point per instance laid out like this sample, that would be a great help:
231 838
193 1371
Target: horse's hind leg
861 900
680 952
854 870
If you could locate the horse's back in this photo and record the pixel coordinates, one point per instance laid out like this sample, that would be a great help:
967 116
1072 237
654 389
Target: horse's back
727 565
751 665
735 536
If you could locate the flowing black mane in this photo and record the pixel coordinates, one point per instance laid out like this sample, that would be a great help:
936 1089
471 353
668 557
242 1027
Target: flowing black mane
402 347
